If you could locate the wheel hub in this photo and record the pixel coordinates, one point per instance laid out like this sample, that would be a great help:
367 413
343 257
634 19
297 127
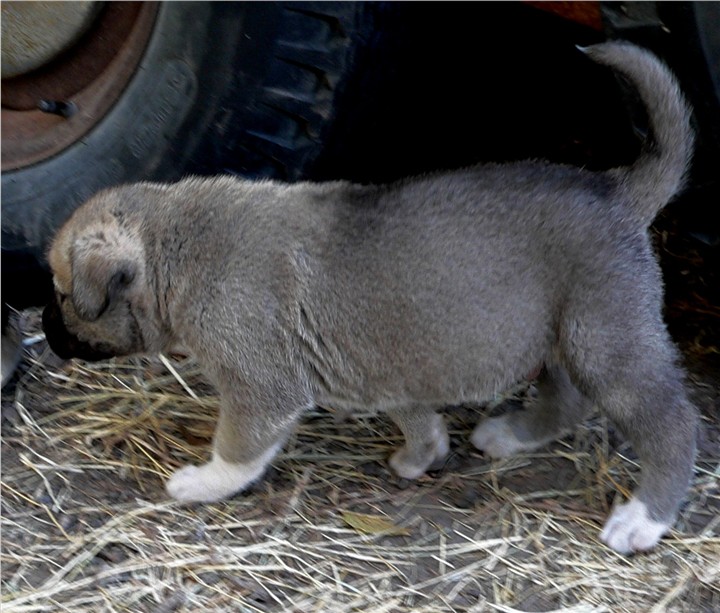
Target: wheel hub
65 68
33 33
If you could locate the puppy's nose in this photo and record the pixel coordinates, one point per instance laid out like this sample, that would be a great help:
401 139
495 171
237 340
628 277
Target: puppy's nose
54 329
62 342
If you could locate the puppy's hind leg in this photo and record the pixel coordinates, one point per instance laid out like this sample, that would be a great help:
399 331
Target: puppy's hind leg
244 444
660 423
558 408
426 441
627 365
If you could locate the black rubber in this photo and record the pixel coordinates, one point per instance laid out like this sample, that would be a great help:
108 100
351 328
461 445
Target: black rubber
687 37
365 91
245 87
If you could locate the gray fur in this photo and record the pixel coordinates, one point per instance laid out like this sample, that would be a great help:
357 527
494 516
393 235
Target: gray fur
434 291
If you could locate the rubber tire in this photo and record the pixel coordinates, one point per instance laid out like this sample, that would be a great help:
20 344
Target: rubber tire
244 87
685 35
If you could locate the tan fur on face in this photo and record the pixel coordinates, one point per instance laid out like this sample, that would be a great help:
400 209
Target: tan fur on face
59 260
82 252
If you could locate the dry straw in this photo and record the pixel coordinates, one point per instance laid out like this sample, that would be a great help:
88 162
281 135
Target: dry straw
86 525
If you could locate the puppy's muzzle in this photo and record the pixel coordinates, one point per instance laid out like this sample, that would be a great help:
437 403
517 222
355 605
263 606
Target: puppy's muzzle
65 344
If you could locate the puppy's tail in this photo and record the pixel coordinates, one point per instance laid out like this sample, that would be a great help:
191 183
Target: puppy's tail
660 171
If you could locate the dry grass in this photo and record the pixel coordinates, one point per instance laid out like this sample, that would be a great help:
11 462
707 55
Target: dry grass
86 525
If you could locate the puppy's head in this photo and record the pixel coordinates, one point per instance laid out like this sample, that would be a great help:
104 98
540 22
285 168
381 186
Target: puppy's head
101 296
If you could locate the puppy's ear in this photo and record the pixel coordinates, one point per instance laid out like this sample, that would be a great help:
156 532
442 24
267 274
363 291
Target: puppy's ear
98 278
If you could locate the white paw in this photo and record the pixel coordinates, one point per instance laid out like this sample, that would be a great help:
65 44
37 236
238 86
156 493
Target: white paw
217 479
442 445
630 528
185 483
407 465
200 484
494 436
404 467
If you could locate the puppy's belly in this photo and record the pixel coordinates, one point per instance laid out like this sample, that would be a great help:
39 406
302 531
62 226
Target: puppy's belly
454 343
414 379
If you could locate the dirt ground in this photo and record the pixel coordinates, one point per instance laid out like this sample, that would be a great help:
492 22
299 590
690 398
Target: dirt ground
86 525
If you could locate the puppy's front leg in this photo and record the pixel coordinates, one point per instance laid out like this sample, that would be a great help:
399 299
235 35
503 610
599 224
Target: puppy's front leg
245 442
218 478
426 441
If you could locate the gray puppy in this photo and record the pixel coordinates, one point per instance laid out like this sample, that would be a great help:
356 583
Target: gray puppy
434 291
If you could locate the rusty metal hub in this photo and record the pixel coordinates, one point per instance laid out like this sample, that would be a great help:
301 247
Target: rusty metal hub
59 99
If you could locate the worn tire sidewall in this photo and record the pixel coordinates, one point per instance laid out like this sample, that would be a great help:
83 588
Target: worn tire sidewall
134 140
